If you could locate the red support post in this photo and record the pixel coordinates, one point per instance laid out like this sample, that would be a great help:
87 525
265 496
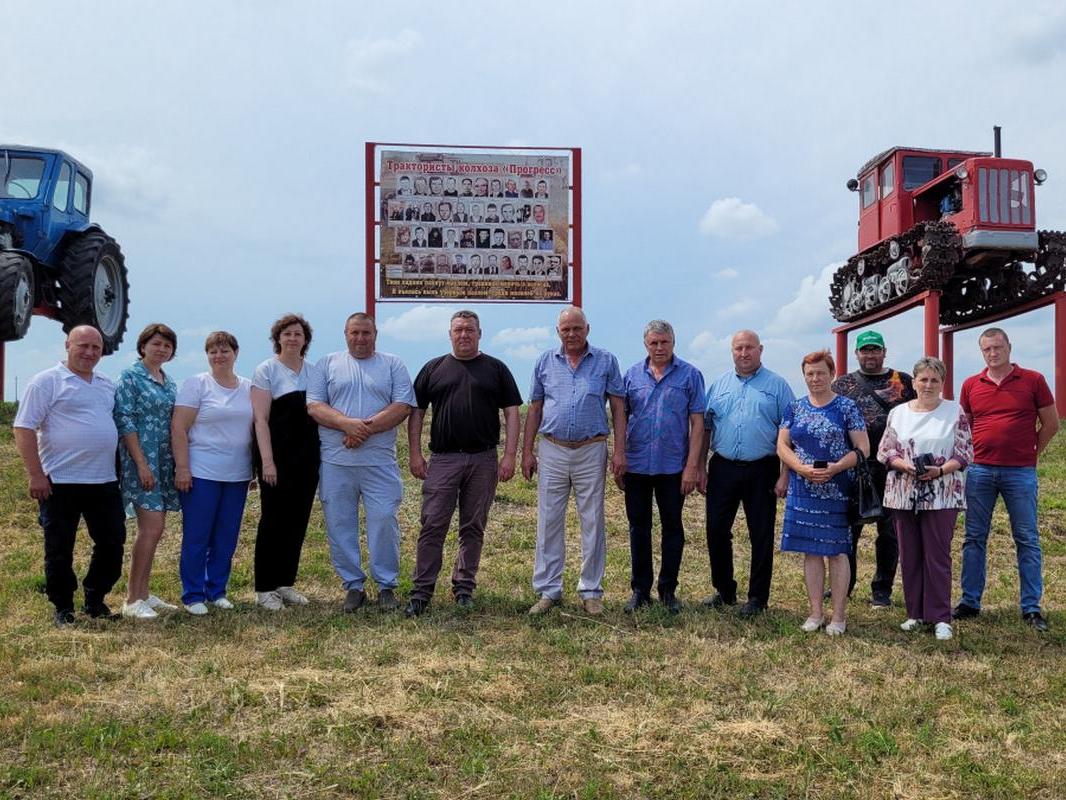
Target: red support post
576 230
842 353
1060 354
932 324
947 355
370 230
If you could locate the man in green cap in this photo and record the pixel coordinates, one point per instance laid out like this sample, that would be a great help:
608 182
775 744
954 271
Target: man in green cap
876 389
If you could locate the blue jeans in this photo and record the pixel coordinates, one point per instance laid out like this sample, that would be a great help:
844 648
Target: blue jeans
211 514
1018 486
381 489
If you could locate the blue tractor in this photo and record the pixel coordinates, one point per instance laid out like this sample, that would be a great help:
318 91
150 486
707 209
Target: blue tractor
53 261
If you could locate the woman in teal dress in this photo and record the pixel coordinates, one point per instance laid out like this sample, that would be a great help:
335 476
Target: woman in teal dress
144 402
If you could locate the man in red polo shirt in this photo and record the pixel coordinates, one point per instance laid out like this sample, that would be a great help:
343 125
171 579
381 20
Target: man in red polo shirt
1005 404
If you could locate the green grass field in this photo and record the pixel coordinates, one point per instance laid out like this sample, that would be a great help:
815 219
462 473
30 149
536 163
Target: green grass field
489 703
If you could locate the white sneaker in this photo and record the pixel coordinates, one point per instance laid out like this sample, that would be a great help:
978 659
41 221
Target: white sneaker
139 609
271 601
942 631
911 625
158 604
836 628
812 624
291 596
222 603
196 609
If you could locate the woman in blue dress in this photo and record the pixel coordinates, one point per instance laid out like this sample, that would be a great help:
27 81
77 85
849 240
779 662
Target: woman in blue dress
818 436
144 401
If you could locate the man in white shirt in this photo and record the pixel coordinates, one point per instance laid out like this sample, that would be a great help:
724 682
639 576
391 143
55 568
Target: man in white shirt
358 396
66 436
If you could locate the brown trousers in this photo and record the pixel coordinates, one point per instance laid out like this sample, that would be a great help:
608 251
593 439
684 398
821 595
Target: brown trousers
469 481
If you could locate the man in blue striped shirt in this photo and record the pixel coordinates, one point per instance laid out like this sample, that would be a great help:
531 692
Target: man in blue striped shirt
664 434
567 406
744 410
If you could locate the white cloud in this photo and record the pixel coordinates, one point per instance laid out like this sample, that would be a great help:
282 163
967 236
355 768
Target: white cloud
732 218
129 180
726 274
738 309
420 324
808 311
524 343
367 57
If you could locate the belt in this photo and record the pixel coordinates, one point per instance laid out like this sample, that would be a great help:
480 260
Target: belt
576 445
718 457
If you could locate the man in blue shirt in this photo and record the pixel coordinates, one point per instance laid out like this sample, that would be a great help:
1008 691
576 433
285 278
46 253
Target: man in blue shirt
664 435
567 406
358 397
744 410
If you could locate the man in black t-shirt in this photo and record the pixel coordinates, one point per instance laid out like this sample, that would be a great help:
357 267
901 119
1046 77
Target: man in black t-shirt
466 389
876 389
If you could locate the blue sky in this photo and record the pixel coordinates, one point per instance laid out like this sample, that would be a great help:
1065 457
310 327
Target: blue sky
227 146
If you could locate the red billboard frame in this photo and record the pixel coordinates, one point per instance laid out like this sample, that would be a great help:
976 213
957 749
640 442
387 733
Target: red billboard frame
372 223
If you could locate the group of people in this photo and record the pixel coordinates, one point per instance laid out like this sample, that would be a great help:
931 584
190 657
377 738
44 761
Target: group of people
331 427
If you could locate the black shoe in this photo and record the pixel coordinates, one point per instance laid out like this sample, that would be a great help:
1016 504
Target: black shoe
387 600
464 601
415 608
98 611
717 601
751 608
354 600
827 594
635 601
64 617
669 599
1036 621
880 601
963 611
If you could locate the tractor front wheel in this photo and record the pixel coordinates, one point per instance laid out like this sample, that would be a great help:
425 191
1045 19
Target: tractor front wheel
16 296
93 288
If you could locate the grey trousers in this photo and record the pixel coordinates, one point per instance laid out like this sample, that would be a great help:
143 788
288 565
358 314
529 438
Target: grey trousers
582 471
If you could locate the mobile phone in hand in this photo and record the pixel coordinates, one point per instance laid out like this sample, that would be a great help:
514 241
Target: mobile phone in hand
821 464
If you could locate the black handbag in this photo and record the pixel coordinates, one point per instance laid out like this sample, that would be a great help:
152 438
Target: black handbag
864 505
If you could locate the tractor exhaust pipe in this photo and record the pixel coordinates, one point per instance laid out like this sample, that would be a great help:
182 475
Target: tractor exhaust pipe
997 148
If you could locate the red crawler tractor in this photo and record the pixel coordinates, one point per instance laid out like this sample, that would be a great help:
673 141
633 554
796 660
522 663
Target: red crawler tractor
958 221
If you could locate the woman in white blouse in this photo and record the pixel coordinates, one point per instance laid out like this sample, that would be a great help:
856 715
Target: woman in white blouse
287 463
211 434
926 447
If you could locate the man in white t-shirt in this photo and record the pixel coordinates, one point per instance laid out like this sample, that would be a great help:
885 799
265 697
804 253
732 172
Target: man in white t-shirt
358 396
66 435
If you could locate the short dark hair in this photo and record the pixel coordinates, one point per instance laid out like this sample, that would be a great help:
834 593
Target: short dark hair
219 339
283 323
990 332
361 316
465 314
157 329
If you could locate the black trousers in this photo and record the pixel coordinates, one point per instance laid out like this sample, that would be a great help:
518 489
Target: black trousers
731 484
886 547
286 507
666 489
279 541
100 504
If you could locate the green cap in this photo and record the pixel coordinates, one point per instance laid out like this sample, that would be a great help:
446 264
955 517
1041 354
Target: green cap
869 339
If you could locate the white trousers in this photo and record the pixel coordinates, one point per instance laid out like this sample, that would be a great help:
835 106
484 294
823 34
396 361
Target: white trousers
584 471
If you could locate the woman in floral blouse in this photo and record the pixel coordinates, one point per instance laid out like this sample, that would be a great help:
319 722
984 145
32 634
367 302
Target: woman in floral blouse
144 401
926 502
819 441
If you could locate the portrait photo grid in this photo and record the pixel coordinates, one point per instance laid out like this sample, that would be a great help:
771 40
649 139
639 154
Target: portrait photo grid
475 225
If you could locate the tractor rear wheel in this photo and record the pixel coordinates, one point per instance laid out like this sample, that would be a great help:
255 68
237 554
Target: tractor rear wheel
93 288
16 296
